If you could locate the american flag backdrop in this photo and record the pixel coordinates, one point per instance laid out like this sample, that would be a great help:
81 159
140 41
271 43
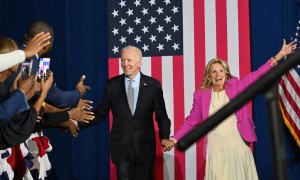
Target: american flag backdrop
289 95
178 38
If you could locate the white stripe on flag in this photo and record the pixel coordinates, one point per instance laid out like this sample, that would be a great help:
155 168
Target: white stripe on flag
286 102
210 29
167 85
233 37
189 79
146 66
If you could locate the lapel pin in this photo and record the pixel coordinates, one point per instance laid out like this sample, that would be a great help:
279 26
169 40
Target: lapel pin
145 84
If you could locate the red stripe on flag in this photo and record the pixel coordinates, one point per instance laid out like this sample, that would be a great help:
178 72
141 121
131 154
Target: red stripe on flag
113 70
199 41
244 38
293 83
199 38
290 99
156 72
244 43
221 29
289 118
178 88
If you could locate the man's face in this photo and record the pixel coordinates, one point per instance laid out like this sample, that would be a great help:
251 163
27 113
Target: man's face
130 62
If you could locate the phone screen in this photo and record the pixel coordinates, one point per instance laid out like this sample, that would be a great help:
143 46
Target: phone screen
44 67
26 69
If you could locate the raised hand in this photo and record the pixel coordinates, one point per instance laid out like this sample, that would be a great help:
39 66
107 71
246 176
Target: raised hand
81 87
38 42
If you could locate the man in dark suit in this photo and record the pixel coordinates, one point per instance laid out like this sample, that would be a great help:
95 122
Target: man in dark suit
132 137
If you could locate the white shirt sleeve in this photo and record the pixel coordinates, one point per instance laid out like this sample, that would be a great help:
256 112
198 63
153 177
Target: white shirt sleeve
10 59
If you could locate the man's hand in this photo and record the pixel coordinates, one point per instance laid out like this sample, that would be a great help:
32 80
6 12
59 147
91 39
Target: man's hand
79 114
167 144
70 127
38 42
85 104
81 87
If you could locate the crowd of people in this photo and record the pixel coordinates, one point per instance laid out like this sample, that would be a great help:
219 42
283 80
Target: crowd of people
28 106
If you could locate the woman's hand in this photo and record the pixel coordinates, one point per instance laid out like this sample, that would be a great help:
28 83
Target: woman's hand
286 50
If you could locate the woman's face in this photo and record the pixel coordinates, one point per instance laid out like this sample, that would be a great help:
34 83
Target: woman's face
217 76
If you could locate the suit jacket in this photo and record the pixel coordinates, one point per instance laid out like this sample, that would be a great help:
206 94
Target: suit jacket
233 87
137 130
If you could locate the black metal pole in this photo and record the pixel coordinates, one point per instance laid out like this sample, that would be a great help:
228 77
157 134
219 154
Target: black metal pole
276 132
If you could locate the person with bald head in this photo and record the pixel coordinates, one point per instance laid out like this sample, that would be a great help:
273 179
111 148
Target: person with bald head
133 99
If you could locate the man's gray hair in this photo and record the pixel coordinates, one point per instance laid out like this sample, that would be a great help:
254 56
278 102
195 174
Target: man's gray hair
140 55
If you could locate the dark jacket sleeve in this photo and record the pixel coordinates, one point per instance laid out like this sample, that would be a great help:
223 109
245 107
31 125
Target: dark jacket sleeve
62 99
13 105
161 116
52 119
18 129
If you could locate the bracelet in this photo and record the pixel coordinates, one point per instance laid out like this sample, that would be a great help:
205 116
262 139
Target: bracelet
173 140
275 58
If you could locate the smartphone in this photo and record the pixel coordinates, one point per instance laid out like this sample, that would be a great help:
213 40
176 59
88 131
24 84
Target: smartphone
44 68
26 69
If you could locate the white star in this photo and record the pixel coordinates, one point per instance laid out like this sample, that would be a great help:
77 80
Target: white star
137 3
122 3
123 39
167 2
175 9
145 11
160 10
168 37
115 31
115 13
145 29
122 22
167 19
175 46
129 12
160 28
152 20
160 47
115 49
152 38
152 2
175 28
137 39
137 21
129 30
145 48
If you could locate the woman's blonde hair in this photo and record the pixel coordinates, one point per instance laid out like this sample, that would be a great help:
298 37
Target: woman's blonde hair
7 45
206 83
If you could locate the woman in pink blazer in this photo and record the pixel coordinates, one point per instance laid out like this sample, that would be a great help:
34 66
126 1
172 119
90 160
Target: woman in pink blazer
226 151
